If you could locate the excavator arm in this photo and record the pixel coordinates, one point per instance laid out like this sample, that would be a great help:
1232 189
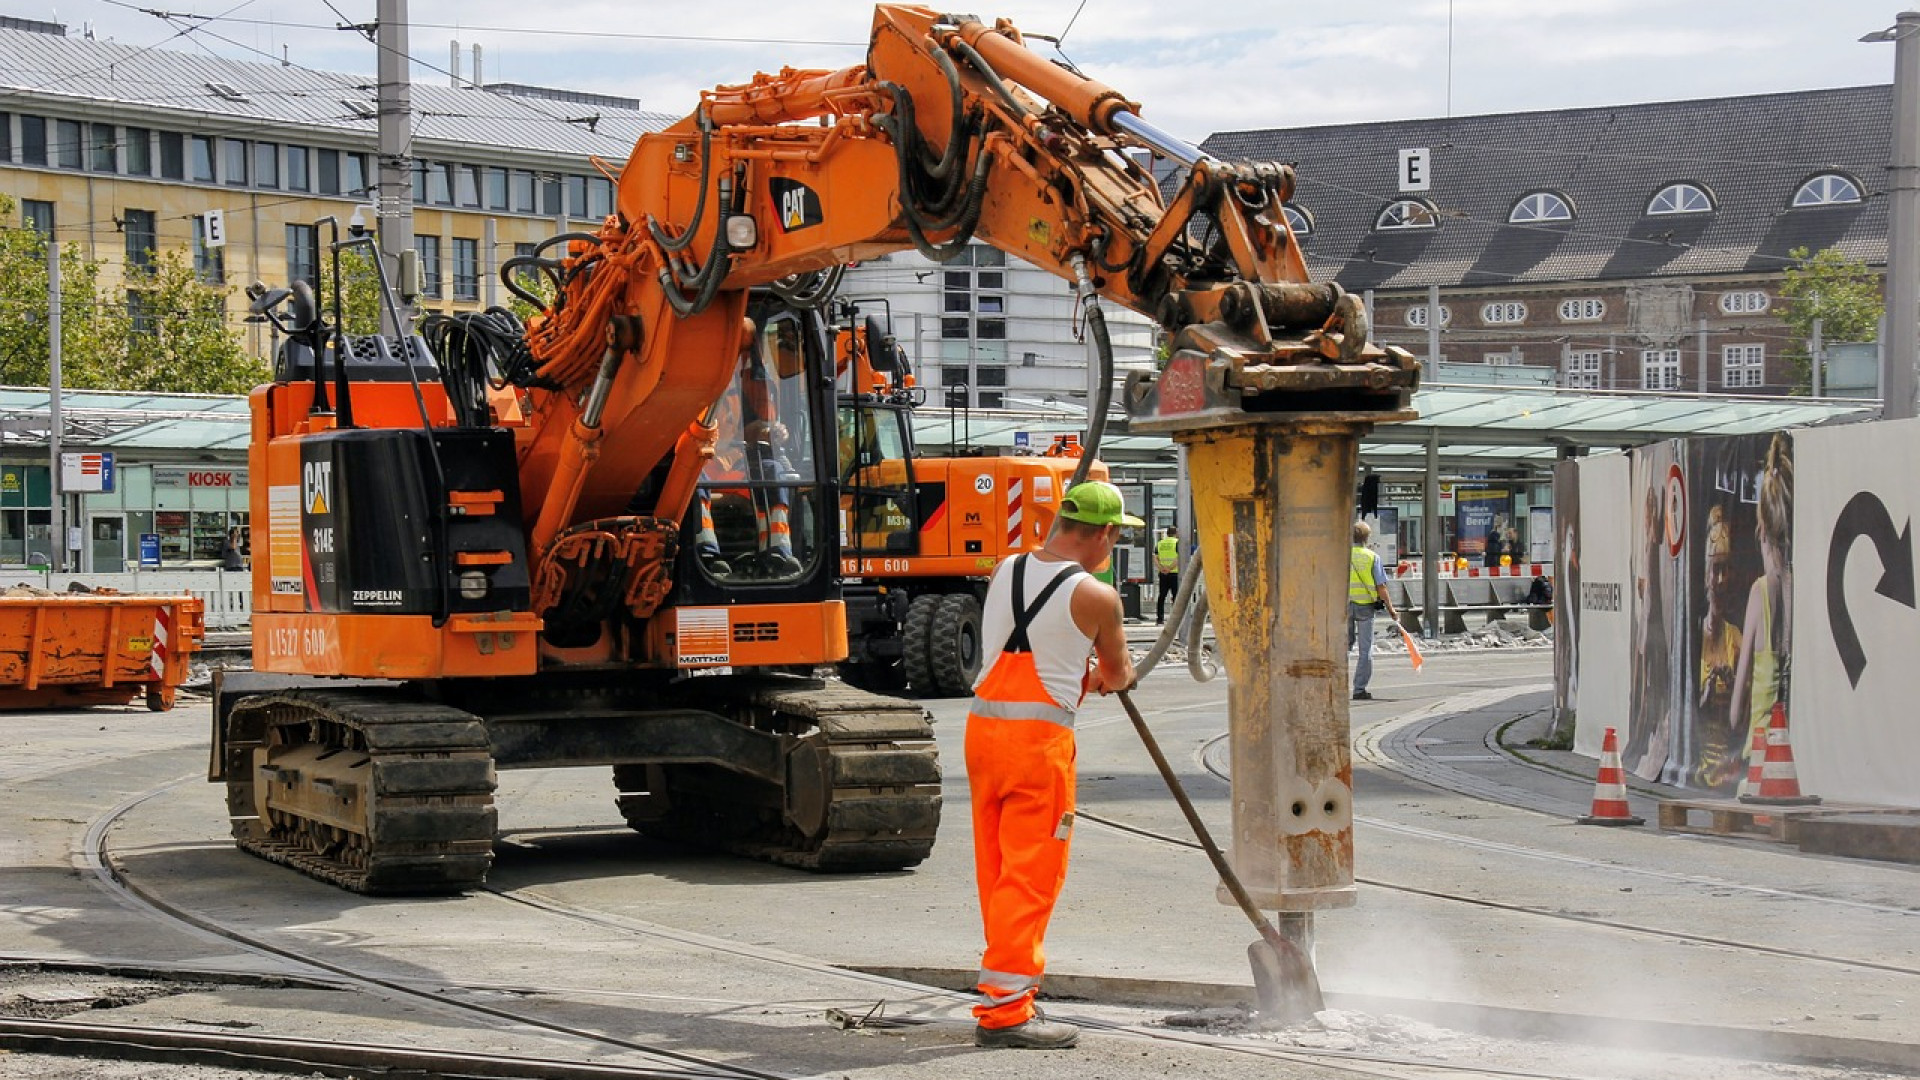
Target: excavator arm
953 131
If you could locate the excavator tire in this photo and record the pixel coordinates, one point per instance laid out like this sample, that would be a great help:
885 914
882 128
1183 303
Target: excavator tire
373 793
916 654
862 791
955 643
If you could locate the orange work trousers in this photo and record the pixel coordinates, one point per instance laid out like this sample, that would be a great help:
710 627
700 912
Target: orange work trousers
1021 774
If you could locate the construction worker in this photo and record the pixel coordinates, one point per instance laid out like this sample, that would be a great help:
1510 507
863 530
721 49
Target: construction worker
1166 559
1366 593
1045 616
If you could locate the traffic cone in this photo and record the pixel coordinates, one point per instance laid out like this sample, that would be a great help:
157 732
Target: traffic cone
1610 789
1755 754
1779 786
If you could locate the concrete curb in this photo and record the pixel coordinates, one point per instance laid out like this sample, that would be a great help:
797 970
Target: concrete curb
1742 1043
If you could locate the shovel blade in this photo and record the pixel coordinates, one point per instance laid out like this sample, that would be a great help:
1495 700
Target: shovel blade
1284 982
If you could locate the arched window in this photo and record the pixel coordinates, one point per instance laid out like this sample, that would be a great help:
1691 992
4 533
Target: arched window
1540 206
1407 214
1298 220
1680 199
1827 189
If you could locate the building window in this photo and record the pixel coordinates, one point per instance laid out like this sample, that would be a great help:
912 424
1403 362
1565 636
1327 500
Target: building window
991 375
1540 206
354 179
466 269
301 254
37 214
104 154
551 191
990 279
6 139
496 189
1660 369
1583 369
1298 219
466 184
142 238
209 263
1829 189
576 196
1583 309
139 144
429 248
1680 199
1499 359
1503 312
33 140
953 375
956 329
140 312
1407 214
69 138
1751 302
203 158
990 329
992 305
173 156
599 197
1417 316
327 165
524 250
992 399
1743 366
298 174
523 193
266 164
235 158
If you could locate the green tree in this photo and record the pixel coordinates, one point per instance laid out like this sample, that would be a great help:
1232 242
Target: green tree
89 329
1843 293
179 336
359 290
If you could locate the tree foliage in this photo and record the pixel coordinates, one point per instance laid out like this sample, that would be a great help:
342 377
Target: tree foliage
1842 293
159 330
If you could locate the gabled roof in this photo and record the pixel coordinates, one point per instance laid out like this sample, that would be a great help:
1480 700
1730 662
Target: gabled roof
1749 153
88 73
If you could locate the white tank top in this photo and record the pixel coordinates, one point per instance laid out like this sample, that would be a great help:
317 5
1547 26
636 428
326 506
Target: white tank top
1060 650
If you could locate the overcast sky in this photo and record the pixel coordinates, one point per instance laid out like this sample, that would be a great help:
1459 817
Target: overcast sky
1195 67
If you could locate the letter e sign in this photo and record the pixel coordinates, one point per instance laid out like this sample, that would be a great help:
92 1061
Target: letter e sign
1416 169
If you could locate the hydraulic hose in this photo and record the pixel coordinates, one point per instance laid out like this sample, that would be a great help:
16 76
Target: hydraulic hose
1182 600
1102 396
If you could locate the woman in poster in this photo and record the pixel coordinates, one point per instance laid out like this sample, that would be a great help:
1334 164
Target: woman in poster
1760 676
1721 753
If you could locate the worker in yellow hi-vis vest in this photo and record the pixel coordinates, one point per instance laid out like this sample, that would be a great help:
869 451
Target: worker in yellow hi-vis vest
1166 559
1366 593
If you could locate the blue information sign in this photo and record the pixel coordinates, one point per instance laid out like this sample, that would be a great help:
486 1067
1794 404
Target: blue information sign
149 551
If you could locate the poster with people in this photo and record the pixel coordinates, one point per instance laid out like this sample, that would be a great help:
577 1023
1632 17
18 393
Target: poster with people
1741 517
1659 708
1566 595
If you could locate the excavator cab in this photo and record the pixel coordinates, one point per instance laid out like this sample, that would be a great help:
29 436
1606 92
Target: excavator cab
879 510
759 520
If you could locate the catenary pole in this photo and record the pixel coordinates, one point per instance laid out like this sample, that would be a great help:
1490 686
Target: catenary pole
394 204
1903 222
57 519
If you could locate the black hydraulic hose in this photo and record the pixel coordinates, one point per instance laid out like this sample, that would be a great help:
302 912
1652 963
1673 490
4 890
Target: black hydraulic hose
1182 600
994 81
1102 396
510 275
673 244
942 167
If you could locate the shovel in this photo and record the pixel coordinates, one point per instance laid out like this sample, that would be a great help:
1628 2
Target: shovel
1284 982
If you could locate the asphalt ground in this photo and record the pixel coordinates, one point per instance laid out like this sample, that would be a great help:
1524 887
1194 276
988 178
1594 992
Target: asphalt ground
1481 905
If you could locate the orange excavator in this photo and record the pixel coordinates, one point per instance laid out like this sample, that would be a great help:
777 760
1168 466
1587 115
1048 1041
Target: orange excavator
610 538
919 536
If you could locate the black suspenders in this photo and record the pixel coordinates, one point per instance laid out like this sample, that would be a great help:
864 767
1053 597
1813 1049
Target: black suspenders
1024 613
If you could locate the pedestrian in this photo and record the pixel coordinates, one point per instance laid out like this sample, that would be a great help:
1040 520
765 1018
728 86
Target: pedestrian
1366 593
1166 558
231 555
1045 616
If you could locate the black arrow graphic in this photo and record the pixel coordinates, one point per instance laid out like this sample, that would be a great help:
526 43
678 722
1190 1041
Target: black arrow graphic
1865 515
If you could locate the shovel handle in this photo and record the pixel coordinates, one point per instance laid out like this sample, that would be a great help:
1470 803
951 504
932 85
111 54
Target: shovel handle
1232 880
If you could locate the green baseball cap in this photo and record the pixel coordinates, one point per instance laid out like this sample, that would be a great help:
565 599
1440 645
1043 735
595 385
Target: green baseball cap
1096 502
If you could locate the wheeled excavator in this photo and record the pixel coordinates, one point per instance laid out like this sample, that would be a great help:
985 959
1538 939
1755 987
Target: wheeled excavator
610 539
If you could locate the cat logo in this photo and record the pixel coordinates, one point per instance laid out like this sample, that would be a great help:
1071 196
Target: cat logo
316 485
797 205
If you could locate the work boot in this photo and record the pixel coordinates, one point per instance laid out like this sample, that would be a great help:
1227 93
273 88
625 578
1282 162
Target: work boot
1038 1033
1362 695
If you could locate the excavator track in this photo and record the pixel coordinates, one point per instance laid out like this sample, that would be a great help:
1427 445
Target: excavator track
862 790
372 793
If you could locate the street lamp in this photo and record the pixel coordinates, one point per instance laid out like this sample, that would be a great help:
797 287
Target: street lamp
1903 220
